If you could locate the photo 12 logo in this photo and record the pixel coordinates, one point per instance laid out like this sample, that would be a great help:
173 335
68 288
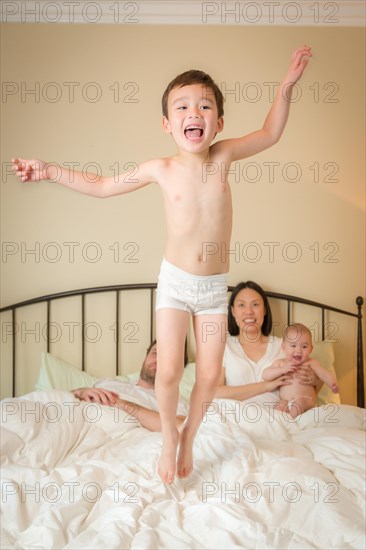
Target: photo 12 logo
70 12
271 13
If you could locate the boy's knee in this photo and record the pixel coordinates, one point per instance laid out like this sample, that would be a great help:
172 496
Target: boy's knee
209 379
168 378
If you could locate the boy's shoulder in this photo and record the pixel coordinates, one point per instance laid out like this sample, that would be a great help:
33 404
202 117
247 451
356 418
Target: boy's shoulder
160 163
152 169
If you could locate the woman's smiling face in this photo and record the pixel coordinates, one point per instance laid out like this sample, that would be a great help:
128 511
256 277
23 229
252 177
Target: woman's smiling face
249 312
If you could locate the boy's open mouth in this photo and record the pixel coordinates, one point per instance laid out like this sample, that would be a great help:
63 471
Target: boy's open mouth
193 132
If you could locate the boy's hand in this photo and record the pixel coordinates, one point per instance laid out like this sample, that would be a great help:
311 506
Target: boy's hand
299 60
30 170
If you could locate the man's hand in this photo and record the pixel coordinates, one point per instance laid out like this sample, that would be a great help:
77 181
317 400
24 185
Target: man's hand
96 395
30 170
299 60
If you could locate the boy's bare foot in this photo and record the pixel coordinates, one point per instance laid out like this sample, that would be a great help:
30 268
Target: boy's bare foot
185 456
168 458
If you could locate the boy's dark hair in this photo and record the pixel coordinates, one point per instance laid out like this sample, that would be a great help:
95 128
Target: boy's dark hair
194 77
267 321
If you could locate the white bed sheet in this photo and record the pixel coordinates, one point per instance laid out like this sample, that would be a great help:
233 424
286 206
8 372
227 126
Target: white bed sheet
78 475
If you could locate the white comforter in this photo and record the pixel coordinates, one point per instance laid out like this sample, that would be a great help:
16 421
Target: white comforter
77 475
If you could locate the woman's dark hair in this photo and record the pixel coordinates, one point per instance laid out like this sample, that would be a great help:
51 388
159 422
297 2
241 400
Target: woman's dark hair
267 321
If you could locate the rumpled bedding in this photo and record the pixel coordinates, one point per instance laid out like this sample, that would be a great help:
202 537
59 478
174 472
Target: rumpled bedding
81 475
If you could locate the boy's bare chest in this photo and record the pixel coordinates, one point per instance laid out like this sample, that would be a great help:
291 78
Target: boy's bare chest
194 187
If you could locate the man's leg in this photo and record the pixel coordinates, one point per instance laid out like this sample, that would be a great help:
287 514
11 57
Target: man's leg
171 330
210 334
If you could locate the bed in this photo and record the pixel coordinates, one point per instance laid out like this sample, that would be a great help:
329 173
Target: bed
76 475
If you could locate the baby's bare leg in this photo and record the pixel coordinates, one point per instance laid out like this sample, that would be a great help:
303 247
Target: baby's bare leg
296 406
282 405
171 329
210 333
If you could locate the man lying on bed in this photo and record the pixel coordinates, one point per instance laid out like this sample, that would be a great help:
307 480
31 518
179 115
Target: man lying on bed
142 403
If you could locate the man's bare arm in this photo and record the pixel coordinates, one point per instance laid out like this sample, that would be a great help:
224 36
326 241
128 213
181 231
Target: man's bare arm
148 418
96 395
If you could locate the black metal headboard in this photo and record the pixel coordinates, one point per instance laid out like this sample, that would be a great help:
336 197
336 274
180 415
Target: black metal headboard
117 289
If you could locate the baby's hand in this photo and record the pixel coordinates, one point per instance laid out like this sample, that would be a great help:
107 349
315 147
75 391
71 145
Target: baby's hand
299 60
334 387
285 369
30 170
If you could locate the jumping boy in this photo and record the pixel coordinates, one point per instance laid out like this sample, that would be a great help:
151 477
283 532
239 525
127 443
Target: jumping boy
198 209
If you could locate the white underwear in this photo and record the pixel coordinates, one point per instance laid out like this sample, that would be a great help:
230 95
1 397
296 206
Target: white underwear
197 294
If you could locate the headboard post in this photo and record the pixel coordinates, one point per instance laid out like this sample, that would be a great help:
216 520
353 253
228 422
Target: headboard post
360 378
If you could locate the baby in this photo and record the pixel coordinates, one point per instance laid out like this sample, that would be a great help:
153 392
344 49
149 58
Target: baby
297 397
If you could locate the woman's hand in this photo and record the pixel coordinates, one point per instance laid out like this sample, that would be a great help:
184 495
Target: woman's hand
96 395
272 385
306 375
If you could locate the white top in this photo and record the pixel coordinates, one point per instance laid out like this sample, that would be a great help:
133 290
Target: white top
241 370
137 394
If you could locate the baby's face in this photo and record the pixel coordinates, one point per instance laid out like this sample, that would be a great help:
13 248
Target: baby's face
297 346
192 117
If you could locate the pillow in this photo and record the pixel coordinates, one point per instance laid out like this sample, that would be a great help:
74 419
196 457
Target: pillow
323 352
56 374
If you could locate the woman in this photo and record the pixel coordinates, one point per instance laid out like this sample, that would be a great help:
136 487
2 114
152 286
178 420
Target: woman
250 349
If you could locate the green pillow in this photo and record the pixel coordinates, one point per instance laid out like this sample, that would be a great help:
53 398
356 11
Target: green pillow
56 374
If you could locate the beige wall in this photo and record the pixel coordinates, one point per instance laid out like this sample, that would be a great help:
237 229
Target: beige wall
318 220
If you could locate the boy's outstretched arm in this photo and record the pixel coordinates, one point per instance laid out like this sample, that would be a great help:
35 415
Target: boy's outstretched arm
275 122
87 183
